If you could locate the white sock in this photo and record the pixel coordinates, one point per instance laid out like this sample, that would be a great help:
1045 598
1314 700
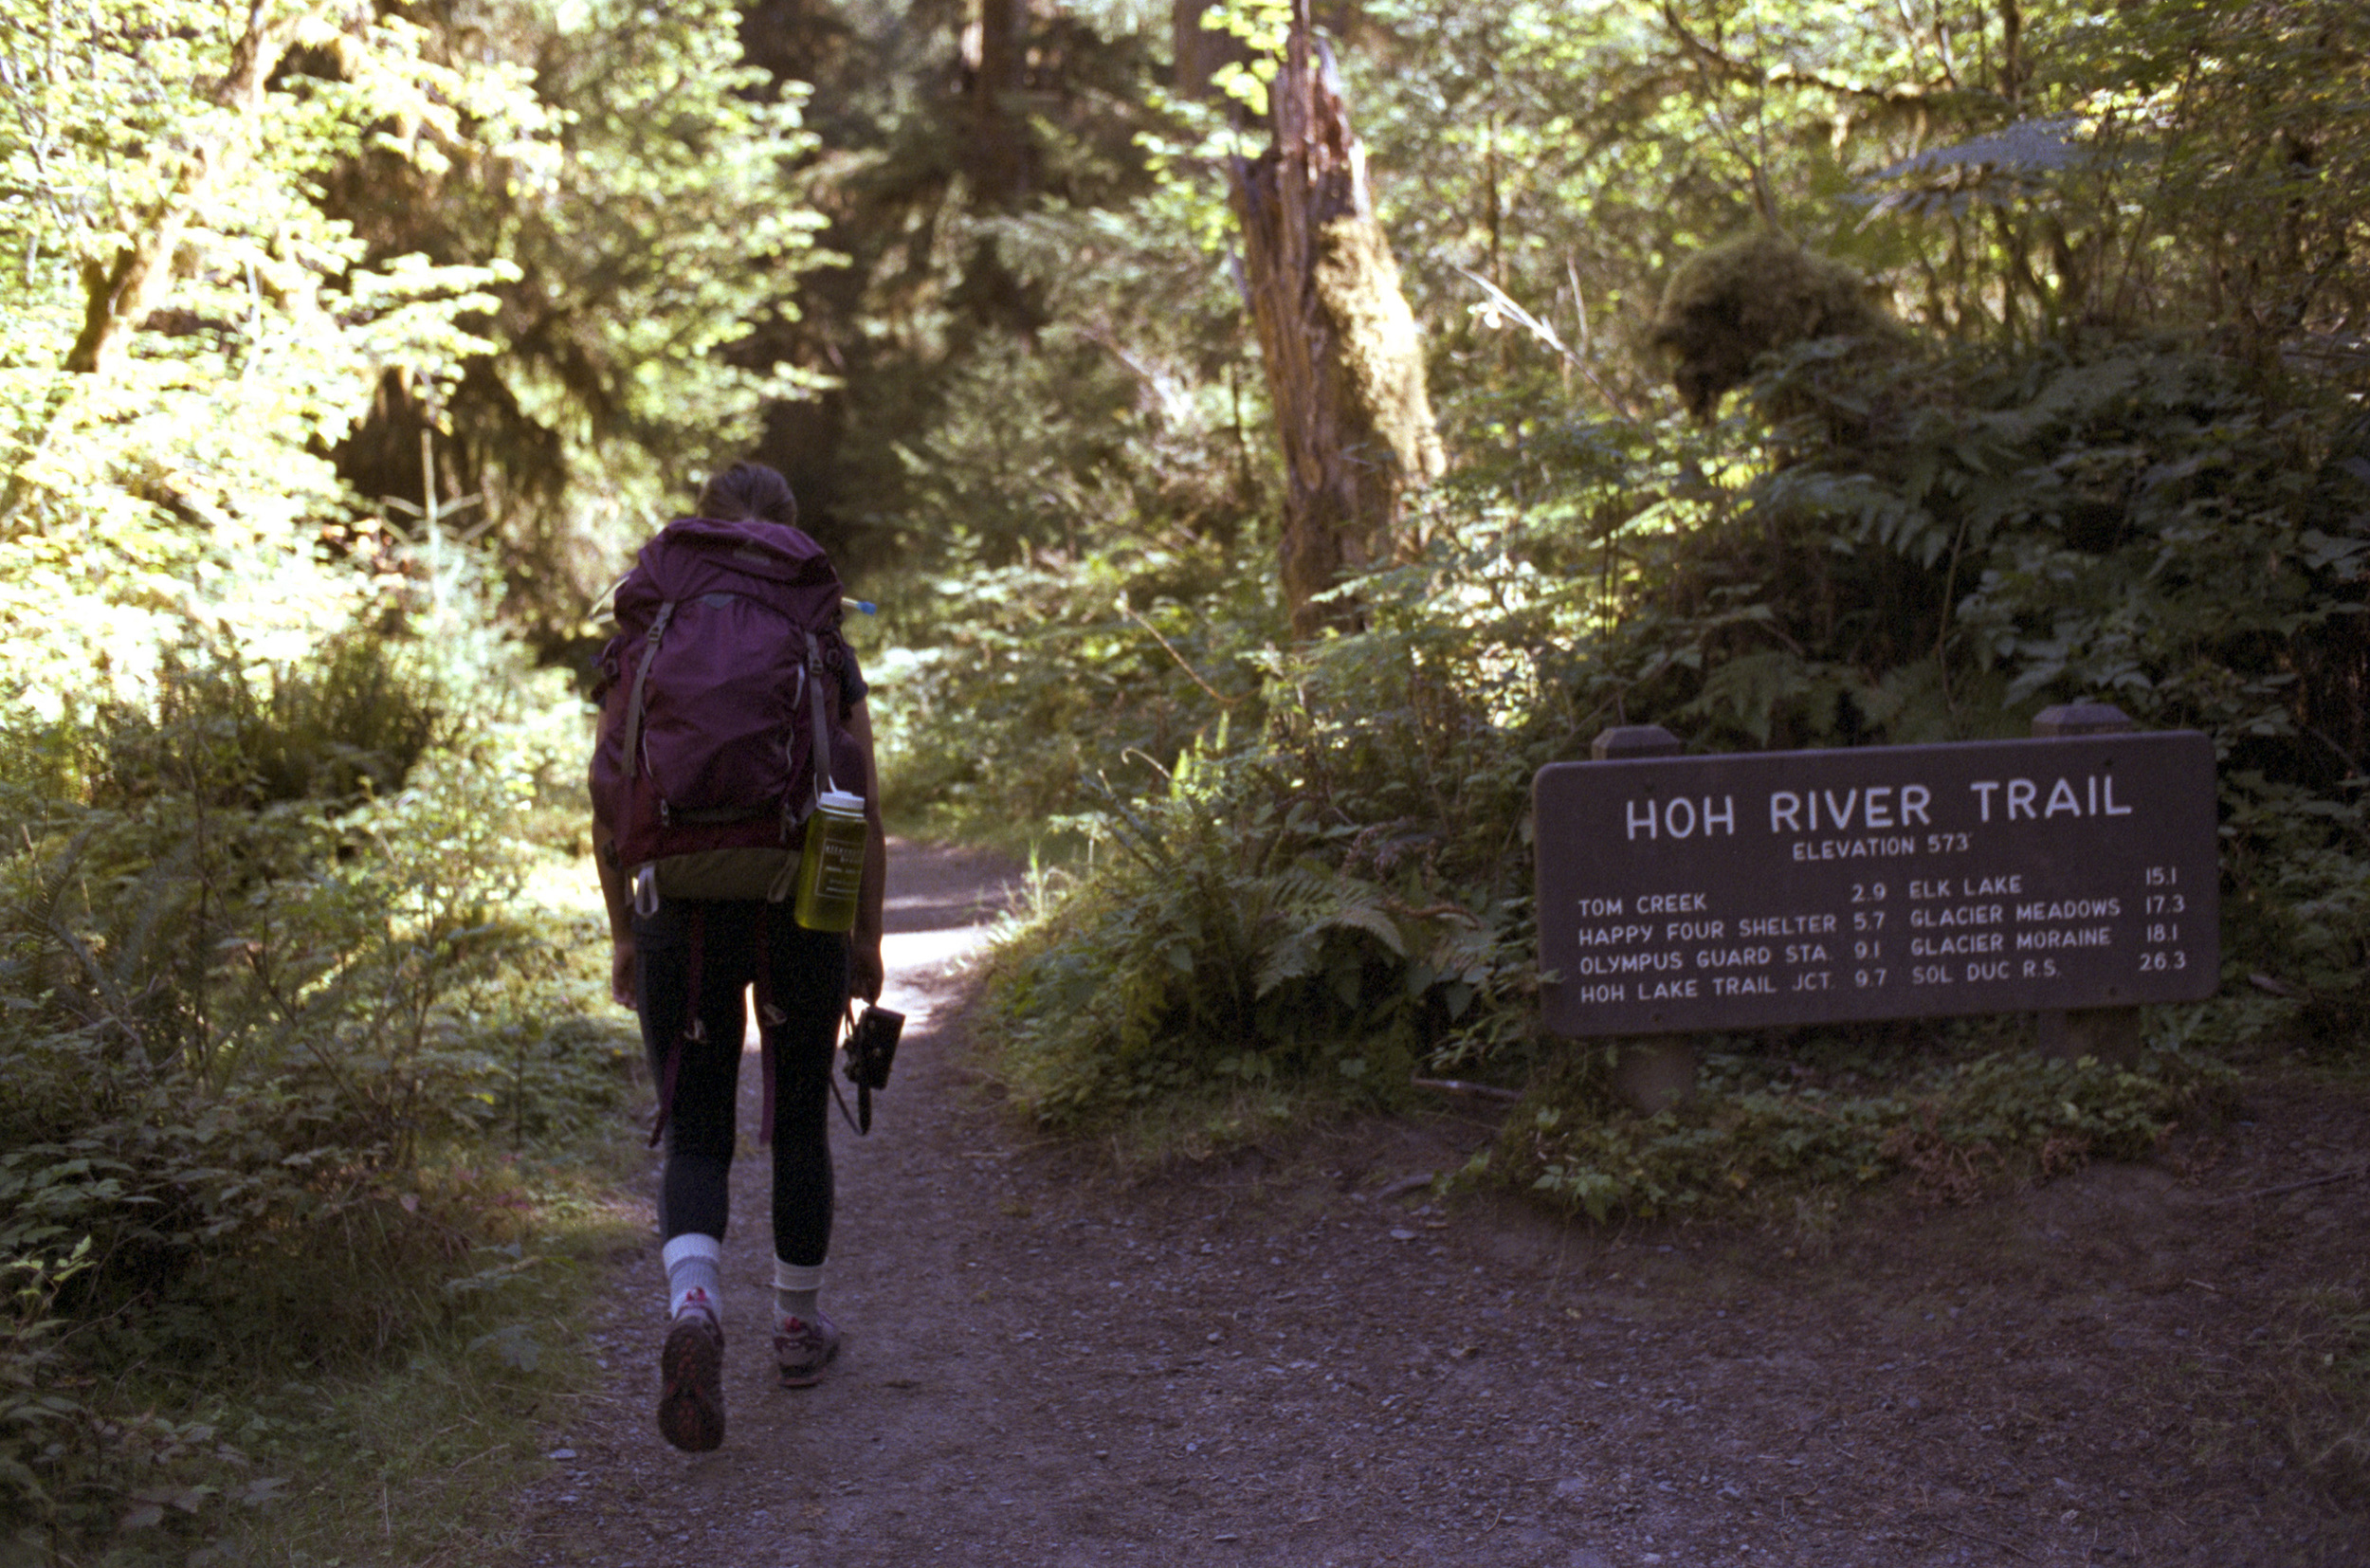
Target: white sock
797 1290
695 1275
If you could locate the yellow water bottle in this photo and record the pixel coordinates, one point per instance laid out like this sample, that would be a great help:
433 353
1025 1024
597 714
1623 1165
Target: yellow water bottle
830 868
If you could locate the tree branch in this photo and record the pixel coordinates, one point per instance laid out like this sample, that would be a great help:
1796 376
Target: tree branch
1728 68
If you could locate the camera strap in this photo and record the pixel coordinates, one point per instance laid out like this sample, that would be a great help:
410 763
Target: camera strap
861 1123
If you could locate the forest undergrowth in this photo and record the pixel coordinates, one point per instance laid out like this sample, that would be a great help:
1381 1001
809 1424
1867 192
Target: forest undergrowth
310 1079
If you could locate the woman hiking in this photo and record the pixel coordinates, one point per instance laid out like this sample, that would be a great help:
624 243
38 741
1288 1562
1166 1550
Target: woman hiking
691 931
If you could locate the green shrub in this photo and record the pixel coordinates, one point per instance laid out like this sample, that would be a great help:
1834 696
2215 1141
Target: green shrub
1217 943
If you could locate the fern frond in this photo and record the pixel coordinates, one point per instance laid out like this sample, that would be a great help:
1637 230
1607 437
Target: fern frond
1293 959
1375 920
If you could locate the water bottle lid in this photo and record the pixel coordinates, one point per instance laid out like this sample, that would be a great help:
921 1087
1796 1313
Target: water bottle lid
840 803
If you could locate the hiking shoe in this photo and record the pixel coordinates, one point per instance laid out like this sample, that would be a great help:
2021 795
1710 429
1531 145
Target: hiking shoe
803 1349
691 1378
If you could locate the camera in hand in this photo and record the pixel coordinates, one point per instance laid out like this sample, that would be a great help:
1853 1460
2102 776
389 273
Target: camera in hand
871 1047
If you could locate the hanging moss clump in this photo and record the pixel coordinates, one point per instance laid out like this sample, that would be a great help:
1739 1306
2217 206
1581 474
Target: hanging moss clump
1753 295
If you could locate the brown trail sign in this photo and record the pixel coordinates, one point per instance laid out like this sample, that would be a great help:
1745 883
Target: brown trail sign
1681 894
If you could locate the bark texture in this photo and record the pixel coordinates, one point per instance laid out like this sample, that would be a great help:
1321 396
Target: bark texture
1344 359
997 157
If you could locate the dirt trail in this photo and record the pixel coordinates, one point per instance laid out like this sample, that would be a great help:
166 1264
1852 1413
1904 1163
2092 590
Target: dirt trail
1298 1358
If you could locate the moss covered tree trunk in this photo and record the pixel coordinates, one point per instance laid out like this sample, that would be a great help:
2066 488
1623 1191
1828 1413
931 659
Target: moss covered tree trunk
1344 364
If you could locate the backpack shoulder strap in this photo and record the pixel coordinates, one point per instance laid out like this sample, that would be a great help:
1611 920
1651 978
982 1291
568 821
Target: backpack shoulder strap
641 680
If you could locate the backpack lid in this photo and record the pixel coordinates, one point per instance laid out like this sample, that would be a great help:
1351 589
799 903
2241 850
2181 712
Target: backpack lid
753 545
771 562
695 552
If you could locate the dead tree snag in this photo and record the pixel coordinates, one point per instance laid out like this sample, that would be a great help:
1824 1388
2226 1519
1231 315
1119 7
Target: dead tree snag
1344 361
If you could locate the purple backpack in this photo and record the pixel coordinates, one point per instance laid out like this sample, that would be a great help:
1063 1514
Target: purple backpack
726 665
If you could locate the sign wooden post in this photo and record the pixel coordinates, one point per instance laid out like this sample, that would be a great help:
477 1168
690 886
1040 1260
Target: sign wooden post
1650 1073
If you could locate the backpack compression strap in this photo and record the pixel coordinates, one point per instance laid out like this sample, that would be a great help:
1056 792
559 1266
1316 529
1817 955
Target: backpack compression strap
822 732
821 756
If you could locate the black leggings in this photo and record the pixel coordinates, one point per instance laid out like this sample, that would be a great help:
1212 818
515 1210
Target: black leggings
810 986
